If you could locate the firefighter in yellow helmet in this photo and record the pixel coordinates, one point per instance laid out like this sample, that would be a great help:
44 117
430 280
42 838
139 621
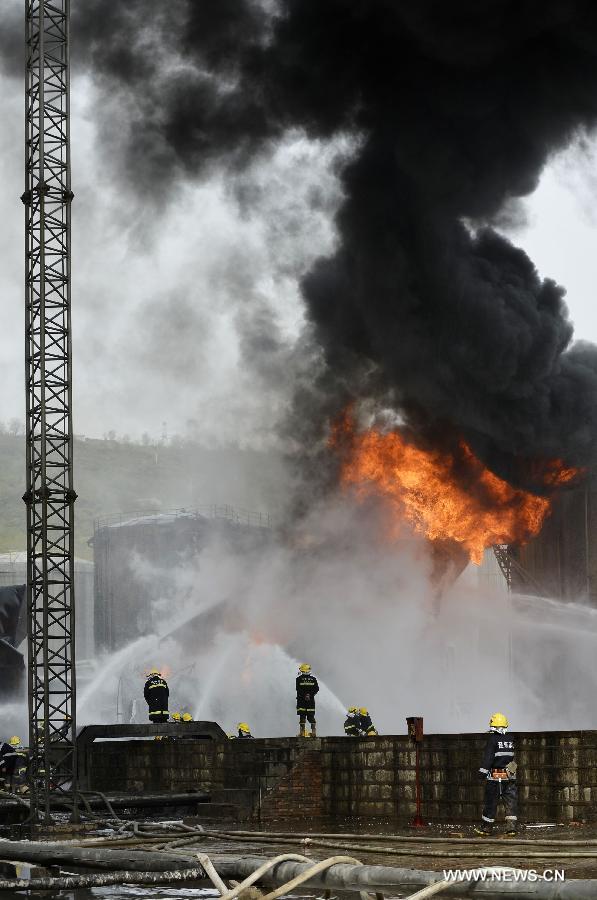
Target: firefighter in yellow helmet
498 773
156 694
364 724
244 731
187 717
306 688
350 724
14 760
7 758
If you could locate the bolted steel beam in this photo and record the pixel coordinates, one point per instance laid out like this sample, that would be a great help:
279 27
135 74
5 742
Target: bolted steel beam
50 494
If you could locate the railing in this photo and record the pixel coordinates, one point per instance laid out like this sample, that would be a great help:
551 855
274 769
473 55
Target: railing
237 516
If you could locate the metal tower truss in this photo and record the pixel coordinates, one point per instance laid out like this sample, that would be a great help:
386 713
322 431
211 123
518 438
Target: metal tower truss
503 556
50 495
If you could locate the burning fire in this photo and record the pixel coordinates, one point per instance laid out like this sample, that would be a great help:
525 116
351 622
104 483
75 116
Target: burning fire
421 486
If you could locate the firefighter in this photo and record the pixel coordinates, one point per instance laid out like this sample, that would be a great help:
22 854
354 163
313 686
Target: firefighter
498 774
244 731
14 760
350 725
156 694
364 724
176 718
187 717
306 688
6 760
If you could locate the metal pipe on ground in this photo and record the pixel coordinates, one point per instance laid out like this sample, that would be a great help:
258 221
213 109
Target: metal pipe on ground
384 878
94 858
118 801
63 882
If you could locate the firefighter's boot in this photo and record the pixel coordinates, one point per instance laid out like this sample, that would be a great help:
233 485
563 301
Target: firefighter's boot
313 730
485 829
302 730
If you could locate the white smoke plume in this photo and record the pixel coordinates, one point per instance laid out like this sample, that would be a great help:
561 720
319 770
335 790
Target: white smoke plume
364 613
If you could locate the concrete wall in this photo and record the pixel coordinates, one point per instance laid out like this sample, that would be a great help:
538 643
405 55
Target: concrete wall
337 778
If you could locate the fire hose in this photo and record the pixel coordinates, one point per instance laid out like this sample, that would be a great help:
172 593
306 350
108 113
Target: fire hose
158 839
449 849
410 839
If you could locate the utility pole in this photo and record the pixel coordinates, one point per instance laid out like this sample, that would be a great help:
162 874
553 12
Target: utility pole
50 495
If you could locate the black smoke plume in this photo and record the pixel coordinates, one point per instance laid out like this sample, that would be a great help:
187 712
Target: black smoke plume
455 108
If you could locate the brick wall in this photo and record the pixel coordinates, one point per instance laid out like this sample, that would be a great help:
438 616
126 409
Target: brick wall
299 792
340 777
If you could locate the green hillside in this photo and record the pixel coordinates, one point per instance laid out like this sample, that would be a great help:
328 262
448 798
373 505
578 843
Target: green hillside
113 477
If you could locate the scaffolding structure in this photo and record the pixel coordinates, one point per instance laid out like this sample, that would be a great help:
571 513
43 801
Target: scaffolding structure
50 495
515 574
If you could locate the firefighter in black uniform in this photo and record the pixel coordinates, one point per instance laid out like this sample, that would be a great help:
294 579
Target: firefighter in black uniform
156 694
351 728
6 764
14 760
364 724
306 688
498 773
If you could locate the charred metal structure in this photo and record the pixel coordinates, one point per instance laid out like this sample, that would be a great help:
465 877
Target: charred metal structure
50 494
138 560
561 562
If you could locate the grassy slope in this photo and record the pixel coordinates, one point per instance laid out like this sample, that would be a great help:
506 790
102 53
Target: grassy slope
111 478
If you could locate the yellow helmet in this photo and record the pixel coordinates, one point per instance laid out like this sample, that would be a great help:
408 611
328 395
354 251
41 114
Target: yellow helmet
176 716
187 717
304 667
498 720
352 709
14 741
154 672
242 726
363 711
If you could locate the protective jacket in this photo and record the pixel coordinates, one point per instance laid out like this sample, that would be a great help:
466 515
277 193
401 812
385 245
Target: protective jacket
7 759
306 688
499 752
156 694
350 725
365 725
13 760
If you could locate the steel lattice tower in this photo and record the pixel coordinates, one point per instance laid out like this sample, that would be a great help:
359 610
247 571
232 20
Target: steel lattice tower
50 495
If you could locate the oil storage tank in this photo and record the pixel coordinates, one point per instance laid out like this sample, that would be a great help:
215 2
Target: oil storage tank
139 558
13 570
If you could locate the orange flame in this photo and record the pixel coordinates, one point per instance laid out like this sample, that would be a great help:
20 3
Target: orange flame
421 487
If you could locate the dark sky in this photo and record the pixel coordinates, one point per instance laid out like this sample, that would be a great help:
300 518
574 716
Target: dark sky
211 150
